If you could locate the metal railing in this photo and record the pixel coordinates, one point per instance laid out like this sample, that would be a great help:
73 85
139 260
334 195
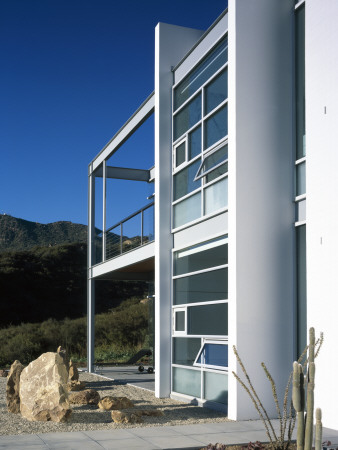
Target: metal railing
131 232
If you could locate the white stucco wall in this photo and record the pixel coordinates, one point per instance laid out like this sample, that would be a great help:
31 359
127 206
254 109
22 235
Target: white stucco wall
260 197
322 195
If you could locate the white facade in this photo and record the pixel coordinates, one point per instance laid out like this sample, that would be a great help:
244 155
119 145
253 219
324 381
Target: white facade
245 252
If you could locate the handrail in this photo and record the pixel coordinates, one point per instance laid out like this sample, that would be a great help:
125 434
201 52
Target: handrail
130 217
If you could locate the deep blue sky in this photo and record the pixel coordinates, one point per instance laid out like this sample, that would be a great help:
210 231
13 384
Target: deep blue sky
72 72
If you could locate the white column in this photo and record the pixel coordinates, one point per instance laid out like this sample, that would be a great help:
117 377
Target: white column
261 212
90 280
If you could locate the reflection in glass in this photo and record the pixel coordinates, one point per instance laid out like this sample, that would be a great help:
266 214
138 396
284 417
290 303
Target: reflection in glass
213 354
187 210
185 350
187 117
148 225
201 256
186 381
195 143
301 178
202 72
184 180
216 173
216 387
216 92
216 196
208 320
179 320
202 287
180 154
300 82
216 127
113 242
212 160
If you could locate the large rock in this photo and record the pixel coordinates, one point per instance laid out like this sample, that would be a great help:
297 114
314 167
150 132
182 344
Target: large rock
63 353
109 403
87 397
3 373
73 372
76 385
43 389
13 387
125 417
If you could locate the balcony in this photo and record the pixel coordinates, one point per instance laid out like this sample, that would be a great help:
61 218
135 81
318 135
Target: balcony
130 233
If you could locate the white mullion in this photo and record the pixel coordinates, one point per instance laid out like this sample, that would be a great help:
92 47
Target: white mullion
186 196
205 303
215 110
225 175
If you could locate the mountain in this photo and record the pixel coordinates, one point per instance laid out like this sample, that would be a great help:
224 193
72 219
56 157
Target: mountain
18 234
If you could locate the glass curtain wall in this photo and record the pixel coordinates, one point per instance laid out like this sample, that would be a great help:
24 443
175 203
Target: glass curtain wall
200 130
300 188
200 321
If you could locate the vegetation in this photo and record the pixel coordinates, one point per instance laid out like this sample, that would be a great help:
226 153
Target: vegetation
120 333
286 415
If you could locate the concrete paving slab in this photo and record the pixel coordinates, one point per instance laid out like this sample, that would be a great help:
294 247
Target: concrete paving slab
79 445
75 436
177 442
103 435
129 375
21 440
116 444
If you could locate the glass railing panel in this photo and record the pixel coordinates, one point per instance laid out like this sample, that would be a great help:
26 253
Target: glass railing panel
131 233
113 242
148 225
97 248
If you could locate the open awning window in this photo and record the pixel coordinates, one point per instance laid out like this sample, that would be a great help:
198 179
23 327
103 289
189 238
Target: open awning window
213 355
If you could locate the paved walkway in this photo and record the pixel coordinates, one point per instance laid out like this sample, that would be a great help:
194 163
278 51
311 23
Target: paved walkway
128 375
147 438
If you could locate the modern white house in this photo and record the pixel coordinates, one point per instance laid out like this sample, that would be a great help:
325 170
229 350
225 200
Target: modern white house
243 247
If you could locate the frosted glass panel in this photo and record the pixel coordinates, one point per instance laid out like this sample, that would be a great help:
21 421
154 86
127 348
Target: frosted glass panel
187 381
185 350
187 210
216 387
301 180
216 196
179 320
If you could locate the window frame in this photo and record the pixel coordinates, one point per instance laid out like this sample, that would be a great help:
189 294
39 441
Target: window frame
204 342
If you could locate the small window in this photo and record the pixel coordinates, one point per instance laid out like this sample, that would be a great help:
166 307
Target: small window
180 154
213 355
180 321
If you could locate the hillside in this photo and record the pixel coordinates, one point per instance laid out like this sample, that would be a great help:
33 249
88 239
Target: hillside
18 234
43 271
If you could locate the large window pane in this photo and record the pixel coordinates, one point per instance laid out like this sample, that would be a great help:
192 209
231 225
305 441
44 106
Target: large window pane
216 196
202 256
202 72
208 319
195 143
187 210
301 289
202 287
185 350
184 180
216 127
216 92
216 173
216 387
187 117
214 159
187 381
300 82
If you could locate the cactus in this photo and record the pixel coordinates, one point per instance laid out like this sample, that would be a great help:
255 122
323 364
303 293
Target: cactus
318 442
305 433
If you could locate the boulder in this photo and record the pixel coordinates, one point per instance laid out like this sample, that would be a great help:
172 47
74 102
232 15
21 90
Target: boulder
87 397
43 389
13 387
125 417
109 403
73 372
63 353
76 385
3 373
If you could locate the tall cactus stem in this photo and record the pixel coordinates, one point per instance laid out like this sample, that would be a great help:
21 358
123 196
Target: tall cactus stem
312 343
319 429
298 402
310 407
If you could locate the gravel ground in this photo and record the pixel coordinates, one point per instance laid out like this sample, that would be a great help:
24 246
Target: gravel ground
89 417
